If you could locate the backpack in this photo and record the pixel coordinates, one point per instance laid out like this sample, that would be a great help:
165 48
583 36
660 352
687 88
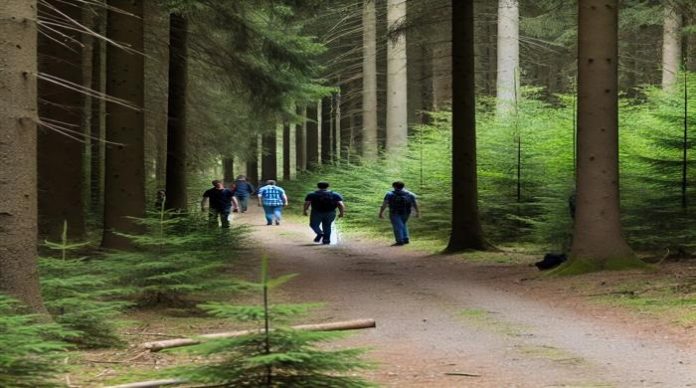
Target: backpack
400 202
324 201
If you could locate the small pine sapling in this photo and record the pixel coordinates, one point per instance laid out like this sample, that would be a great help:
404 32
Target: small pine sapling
30 351
275 355
79 297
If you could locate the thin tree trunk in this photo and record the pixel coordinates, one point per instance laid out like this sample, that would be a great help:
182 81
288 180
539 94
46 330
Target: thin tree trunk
397 83
177 138
597 240
442 59
369 145
313 138
338 131
252 162
60 159
671 45
98 122
89 19
228 170
18 116
326 130
124 180
466 227
507 83
301 139
269 160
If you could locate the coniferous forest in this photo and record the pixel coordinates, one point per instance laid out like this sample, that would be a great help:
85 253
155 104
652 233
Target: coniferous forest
406 193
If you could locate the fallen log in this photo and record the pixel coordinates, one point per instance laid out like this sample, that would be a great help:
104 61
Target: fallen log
156 346
149 384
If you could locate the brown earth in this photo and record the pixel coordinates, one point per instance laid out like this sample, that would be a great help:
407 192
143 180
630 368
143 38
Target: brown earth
446 322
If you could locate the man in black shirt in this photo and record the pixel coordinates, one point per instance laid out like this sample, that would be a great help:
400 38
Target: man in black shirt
324 204
220 204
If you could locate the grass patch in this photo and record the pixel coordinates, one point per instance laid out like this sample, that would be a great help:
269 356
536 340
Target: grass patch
551 353
483 319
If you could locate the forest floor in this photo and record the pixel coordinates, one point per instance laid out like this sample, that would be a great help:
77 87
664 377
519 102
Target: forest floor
452 321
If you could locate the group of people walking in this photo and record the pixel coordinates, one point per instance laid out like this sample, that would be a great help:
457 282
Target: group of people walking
320 205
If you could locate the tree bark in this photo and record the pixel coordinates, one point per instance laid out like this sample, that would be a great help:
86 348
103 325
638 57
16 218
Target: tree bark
228 170
301 139
466 227
597 240
671 45
369 146
252 162
313 137
18 116
60 155
177 139
124 180
442 59
326 131
289 151
397 83
98 121
507 81
269 160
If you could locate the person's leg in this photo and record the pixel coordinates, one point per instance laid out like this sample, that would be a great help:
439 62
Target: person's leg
397 225
243 203
277 214
268 213
326 220
314 222
404 231
212 217
225 217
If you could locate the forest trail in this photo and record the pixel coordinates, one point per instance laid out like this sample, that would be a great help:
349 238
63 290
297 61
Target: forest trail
445 323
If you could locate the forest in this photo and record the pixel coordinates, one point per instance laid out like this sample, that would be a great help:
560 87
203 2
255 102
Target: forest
547 152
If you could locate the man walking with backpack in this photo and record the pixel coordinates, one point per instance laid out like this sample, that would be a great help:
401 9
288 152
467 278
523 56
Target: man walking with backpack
399 201
324 203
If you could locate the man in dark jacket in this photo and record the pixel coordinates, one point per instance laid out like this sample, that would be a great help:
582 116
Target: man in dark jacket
219 204
400 202
324 204
242 191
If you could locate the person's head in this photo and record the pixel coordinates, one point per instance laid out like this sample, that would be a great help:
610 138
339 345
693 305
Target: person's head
217 184
398 185
323 185
241 178
271 182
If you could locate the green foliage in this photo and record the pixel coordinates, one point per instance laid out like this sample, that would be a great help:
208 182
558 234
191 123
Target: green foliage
280 357
30 351
178 256
651 153
79 297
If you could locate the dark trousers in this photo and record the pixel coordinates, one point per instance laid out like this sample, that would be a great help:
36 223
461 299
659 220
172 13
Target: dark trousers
243 202
223 214
323 219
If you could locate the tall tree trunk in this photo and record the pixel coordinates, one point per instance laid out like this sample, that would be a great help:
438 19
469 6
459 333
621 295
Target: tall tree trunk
98 121
89 19
313 136
124 177
301 139
507 83
466 227
60 155
337 130
397 83
597 240
18 116
289 156
252 162
269 160
176 125
326 129
442 59
369 145
671 45
228 170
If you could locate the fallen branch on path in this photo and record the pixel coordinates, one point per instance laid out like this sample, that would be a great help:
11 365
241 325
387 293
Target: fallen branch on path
156 346
462 374
149 384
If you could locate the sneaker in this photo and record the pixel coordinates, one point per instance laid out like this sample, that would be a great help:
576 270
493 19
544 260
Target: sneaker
269 223
406 241
397 244
326 242
318 238
235 211
277 222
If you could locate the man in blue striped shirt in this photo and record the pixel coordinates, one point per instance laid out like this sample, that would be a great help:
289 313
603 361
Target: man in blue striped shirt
272 198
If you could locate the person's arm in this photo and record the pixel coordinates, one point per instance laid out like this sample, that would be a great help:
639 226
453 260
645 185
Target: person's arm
307 204
416 208
285 200
385 204
260 196
235 202
203 201
341 208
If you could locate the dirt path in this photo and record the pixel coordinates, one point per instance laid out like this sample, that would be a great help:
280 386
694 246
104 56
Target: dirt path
437 315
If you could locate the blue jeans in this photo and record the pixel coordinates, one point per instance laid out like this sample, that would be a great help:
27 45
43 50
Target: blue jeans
243 202
272 212
324 219
224 215
400 228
